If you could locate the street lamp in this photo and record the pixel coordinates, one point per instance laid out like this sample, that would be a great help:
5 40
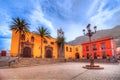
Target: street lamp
90 34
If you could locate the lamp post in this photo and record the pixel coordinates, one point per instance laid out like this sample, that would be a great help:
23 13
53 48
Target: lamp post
90 34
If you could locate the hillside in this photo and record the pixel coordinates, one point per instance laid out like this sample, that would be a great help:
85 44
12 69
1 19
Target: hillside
114 32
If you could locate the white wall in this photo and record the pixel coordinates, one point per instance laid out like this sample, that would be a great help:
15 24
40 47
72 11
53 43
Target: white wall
7 53
0 52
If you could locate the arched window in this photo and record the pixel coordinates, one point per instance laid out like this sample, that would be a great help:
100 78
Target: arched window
66 48
23 37
32 39
76 49
104 55
45 41
70 49
87 48
52 43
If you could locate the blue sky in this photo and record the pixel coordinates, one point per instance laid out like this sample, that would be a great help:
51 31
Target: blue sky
70 15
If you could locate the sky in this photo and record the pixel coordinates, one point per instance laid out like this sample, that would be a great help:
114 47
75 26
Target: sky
70 15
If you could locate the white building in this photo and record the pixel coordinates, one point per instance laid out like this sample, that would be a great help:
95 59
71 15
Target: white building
118 50
7 52
0 52
118 53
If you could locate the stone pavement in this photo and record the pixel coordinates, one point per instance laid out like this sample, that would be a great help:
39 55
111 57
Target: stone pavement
62 71
4 61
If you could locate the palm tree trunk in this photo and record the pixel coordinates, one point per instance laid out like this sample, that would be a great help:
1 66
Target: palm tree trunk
19 45
62 50
58 51
41 47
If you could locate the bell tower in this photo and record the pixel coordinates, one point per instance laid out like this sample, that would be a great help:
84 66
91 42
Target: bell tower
60 33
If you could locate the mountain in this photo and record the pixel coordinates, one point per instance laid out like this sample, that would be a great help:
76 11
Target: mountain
114 32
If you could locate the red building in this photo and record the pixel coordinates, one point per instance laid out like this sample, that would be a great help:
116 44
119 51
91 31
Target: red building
101 48
3 53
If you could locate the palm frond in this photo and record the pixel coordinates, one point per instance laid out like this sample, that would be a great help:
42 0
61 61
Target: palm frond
19 25
43 32
60 40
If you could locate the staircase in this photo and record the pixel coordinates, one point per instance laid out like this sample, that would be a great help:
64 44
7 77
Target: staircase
35 61
6 61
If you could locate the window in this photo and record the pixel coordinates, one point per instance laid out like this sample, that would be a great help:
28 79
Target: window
83 56
88 56
87 48
94 47
22 37
52 43
103 45
70 49
76 49
66 48
95 55
32 39
103 55
45 41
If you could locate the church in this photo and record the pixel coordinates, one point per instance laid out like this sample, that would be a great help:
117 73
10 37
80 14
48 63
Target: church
30 47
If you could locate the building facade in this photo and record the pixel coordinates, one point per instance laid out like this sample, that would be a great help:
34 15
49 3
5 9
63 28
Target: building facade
73 52
118 53
101 48
31 47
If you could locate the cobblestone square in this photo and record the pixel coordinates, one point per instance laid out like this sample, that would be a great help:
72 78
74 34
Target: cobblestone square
62 71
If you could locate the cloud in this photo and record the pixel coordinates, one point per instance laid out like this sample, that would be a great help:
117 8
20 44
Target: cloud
5 31
103 15
73 31
100 9
5 43
71 15
4 24
37 17
92 7
56 8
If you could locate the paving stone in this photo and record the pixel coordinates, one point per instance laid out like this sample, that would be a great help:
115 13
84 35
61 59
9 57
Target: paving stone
63 71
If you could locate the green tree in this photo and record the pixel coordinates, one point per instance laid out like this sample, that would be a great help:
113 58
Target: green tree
60 42
43 33
21 27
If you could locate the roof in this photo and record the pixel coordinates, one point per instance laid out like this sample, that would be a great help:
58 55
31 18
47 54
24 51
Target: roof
98 40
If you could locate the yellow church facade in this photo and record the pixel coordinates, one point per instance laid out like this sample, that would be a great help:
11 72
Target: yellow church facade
30 46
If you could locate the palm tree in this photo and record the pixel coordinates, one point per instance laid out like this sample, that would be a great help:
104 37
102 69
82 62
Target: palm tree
60 42
43 33
20 26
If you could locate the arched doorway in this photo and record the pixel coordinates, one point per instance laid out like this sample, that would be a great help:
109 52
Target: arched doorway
48 53
88 55
103 55
77 56
27 52
95 55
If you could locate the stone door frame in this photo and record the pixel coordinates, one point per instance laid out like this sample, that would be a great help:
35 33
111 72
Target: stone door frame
27 44
48 48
